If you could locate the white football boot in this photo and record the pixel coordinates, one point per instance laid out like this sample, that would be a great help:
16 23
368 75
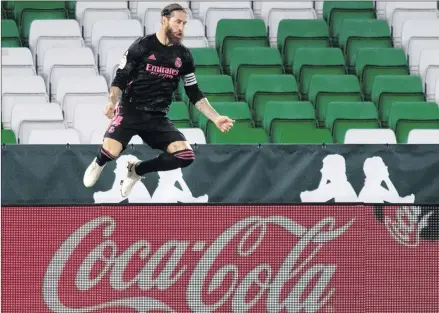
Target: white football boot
131 179
92 173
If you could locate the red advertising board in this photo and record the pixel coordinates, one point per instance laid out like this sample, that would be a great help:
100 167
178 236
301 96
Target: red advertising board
225 259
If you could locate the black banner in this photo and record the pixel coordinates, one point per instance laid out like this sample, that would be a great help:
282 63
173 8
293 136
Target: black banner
374 174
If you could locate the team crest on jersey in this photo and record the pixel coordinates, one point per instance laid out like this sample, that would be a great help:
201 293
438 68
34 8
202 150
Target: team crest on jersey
178 62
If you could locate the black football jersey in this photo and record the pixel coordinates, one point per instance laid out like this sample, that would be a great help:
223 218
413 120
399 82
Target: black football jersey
149 73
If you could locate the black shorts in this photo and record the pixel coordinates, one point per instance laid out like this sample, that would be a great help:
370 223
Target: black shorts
155 129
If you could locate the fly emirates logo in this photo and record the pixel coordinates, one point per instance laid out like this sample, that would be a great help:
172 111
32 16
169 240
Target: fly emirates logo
162 71
107 265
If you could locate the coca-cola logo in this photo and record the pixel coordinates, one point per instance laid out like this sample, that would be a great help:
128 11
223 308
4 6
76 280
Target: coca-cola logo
299 264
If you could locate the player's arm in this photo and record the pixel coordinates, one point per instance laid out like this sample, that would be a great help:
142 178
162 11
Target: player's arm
124 73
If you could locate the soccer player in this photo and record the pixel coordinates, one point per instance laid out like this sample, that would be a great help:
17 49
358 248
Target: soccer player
140 97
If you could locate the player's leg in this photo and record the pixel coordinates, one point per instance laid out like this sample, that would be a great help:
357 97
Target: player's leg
116 139
177 153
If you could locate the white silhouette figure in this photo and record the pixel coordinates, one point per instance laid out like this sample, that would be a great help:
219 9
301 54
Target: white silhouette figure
139 193
373 192
167 192
334 183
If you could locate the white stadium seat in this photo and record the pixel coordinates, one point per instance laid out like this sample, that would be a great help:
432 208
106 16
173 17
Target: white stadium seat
380 8
46 34
370 136
29 117
194 135
273 12
74 91
436 97
60 62
400 17
415 52
114 57
17 62
318 6
21 89
87 13
53 137
89 118
423 136
108 34
392 7
429 71
211 12
413 31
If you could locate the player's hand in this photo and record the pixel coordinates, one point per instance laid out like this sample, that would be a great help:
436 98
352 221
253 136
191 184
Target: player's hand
109 110
223 123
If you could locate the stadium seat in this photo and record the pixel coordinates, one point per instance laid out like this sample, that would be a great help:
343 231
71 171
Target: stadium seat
87 13
211 13
60 62
25 12
437 92
264 88
27 117
405 116
194 34
235 33
342 116
10 34
21 89
47 34
358 34
416 50
237 111
370 136
17 62
89 122
114 57
217 88
423 136
417 33
73 91
395 88
334 12
206 61
272 12
372 62
249 61
70 6
8 137
8 6
429 71
294 34
324 89
194 135
311 61
401 16
388 9
51 137
179 115
109 34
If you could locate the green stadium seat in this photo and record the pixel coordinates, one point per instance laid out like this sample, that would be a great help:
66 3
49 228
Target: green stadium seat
217 88
311 61
71 9
179 115
395 88
250 61
334 12
4 15
206 61
8 137
357 34
294 123
264 88
237 111
405 116
10 34
325 89
372 62
294 34
342 116
25 12
234 33
8 6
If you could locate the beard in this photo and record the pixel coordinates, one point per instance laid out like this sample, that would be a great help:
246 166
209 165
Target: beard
171 37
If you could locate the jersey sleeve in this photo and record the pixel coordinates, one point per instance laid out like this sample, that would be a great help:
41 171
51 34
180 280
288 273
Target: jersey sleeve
188 72
128 64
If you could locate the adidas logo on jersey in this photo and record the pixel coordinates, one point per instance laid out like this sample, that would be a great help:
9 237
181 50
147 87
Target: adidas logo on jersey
152 57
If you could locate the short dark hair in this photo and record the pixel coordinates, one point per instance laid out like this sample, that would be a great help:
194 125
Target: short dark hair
167 10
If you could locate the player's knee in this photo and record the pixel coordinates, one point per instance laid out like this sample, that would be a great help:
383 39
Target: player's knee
112 146
185 157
